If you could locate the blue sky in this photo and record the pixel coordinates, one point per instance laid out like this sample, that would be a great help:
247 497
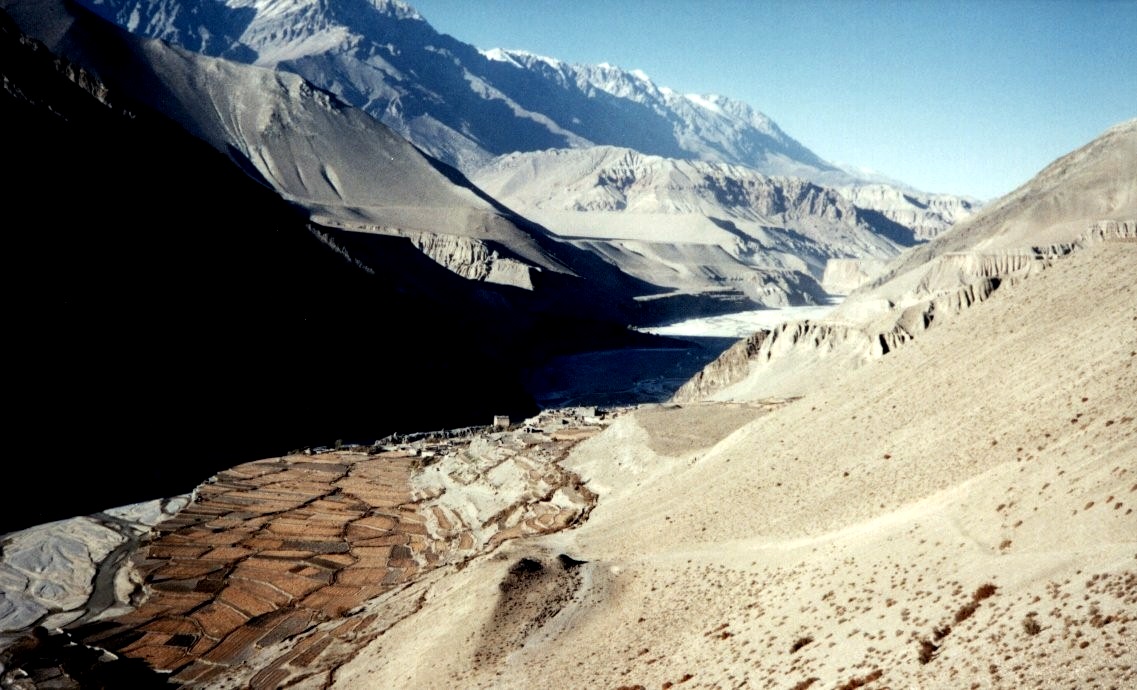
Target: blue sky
964 96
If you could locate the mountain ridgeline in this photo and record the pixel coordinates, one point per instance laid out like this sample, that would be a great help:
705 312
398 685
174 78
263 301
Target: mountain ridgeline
476 109
458 103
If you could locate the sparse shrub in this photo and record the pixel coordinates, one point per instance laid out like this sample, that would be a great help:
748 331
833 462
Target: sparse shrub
966 611
928 651
805 683
855 683
1031 626
799 643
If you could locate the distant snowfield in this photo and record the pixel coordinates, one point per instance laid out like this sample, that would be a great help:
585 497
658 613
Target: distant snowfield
744 323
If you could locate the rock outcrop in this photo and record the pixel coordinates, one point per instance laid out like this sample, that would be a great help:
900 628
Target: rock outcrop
1085 198
1096 183
926 215
473 259
874 323
842 276
729 368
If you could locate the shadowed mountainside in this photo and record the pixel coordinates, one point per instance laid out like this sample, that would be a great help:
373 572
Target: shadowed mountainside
169 306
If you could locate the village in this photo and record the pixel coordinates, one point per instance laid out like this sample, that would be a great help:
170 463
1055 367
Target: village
294 547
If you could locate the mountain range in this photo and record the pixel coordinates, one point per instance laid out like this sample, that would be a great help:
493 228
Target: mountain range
691 225
465 107
944 502
187 259
216 266
603 237
459 103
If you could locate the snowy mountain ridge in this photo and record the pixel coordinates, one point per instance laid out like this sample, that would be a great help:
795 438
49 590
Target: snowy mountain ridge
469 107
461 104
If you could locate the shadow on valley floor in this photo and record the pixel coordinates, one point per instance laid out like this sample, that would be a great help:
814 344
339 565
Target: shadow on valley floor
626 376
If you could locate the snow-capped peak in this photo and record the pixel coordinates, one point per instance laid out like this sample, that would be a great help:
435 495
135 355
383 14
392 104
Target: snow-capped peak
499 55
381 55
396 8
707 102
520 58
267 9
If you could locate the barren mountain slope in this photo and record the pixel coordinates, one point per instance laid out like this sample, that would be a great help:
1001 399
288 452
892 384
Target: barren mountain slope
140 289
1084 197
958 513
344 167
610 179
465 106
1097 182
928 215
690 224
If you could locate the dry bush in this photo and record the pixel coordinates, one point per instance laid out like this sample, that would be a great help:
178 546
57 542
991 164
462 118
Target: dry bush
805 684
855 683
1031 626
928 650
965 611
985 591
799 643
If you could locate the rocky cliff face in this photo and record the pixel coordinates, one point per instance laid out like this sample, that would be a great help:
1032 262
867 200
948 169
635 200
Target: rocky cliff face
926 215
473 259
768 350
869 326
1095 183
729 368
1104 230
737 364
